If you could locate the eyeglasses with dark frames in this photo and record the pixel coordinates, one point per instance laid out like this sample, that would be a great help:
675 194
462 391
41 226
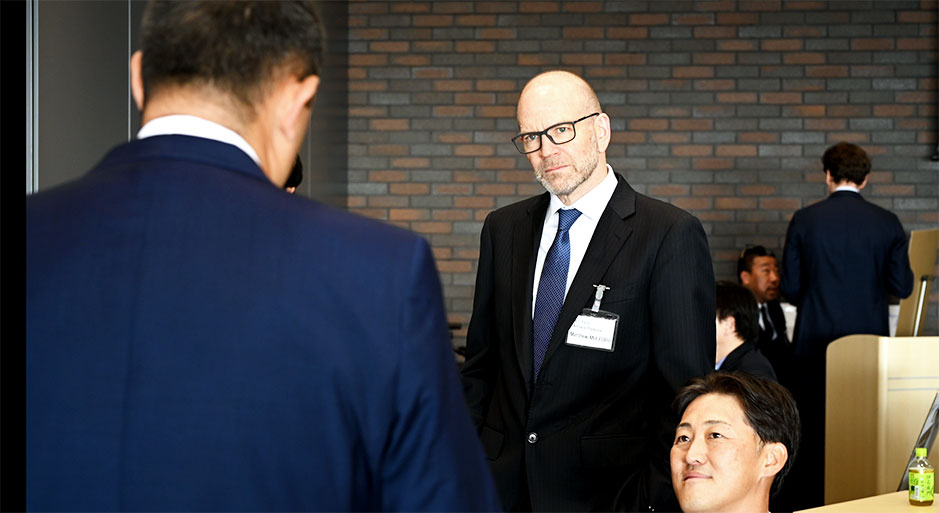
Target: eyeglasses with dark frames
558 134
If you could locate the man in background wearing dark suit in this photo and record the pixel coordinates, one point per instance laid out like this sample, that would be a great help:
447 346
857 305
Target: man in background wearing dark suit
198 339
593 305
737 331
843 257
758 271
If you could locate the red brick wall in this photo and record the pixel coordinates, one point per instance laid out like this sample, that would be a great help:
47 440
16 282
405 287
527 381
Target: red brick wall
720 107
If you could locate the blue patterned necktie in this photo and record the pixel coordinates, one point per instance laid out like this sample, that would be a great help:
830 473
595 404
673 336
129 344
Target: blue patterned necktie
551 286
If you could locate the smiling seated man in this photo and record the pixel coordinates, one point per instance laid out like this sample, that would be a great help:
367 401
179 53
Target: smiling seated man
737 439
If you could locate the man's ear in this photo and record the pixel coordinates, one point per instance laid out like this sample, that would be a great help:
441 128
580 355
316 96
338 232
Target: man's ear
727 327
297 102
731 324
745 277
864 183
603 132
136 79
775 456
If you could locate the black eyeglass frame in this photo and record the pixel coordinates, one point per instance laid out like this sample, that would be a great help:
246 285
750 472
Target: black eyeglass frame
515 140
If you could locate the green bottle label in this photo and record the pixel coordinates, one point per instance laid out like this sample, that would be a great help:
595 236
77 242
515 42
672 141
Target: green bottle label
922 486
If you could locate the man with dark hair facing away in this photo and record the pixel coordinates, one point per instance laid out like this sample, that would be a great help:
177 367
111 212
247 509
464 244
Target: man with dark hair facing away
736 441
199 340
843 258
737 331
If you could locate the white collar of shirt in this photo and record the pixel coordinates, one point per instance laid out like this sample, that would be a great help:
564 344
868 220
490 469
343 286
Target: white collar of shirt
591 207
847 188
185 124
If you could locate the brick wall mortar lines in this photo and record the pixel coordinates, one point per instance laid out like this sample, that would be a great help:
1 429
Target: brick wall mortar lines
722 108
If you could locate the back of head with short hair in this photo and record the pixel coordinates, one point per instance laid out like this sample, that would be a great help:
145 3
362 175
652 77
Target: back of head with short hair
846 161
238 48
745 260
767 406
737 301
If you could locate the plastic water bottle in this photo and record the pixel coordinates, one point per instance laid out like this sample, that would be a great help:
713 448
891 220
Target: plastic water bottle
922 480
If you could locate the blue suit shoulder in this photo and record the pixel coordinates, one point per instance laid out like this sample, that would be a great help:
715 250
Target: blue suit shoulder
347 226
847 205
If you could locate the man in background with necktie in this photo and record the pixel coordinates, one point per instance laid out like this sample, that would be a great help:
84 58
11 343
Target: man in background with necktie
758 270
594 304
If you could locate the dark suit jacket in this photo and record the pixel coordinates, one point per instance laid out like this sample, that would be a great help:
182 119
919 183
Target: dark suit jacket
843 256
594 419
747 358
198 339
777 350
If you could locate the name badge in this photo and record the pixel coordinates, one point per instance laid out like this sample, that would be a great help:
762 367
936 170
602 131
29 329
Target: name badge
594 328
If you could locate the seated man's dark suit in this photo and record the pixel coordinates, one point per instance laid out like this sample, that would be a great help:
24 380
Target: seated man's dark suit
748 358
594 419
199 339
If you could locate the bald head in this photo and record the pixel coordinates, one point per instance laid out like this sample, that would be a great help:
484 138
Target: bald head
567 133
551 88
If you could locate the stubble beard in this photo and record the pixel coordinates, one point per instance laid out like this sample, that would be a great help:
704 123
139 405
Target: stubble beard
564 184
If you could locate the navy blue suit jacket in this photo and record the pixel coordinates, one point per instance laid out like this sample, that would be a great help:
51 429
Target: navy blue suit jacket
843 256
747 358
198 339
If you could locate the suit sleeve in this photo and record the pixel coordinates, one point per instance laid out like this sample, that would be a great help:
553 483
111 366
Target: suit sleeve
790 284
480 367
682 306
899 275
432 460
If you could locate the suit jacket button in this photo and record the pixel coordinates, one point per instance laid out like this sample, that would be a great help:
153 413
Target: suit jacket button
532 438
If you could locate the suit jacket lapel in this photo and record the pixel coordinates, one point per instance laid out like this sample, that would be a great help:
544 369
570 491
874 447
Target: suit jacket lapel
610 235
526 238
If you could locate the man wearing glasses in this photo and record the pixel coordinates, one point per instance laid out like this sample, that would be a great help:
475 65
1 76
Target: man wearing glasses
594 304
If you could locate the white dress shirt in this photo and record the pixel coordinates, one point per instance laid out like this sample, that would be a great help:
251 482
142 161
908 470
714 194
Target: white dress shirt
847 188
185 124
591 207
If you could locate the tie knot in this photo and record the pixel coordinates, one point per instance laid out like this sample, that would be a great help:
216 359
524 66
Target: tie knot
567 218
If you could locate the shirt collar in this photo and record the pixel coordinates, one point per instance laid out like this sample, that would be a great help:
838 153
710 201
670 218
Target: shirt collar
594 202
185 124
850 188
